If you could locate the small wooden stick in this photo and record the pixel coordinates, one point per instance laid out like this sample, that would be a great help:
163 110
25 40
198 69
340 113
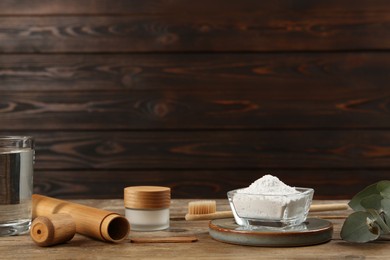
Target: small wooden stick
328 207
329 216
184 239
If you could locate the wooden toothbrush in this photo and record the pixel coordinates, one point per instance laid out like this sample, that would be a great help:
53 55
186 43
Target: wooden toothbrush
207 210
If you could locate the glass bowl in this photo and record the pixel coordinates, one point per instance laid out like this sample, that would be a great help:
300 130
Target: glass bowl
264 210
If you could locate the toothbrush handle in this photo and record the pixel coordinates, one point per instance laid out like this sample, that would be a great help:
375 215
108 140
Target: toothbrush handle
229 214
216 215
328 207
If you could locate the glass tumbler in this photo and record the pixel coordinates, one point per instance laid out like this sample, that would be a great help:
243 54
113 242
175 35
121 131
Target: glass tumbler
16 184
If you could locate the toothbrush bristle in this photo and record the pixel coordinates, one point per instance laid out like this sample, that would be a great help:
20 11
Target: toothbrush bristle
202 207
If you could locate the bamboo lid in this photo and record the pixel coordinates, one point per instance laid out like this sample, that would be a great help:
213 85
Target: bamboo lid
52 229
147 197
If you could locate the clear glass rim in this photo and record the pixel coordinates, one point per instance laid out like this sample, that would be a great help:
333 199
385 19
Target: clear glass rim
301 191
16 142
16 137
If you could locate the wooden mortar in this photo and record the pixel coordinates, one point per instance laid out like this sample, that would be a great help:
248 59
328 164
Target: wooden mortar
97 223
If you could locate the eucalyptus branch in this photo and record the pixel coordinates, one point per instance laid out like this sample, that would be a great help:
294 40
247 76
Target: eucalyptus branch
371 218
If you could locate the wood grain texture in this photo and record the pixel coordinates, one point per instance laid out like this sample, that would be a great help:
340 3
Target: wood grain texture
280 30
230 91
277 73
184 93
199 184
21 247
212 150
338 109
200 7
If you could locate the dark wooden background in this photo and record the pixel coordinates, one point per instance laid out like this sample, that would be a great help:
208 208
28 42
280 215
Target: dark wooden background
201 96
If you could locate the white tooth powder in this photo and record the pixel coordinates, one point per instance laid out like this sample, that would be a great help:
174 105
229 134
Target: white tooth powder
261 206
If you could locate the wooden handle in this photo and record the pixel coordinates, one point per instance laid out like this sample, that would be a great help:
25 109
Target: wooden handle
92 222
328 207
216 215
229 214
330 216
184 239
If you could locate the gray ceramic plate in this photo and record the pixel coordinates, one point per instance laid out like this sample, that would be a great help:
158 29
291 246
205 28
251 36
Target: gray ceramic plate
312 231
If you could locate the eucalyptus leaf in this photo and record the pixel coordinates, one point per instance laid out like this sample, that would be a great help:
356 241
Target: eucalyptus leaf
384 188
372 202
381 188
385 229
386 209
355 201
359 227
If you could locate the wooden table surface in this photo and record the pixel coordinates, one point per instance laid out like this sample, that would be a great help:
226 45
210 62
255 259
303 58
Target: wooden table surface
81 247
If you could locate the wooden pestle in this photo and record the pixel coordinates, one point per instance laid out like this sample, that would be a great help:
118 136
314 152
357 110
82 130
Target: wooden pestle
97 223
52 229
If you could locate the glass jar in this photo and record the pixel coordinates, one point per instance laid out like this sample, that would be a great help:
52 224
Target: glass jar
16 184
147 207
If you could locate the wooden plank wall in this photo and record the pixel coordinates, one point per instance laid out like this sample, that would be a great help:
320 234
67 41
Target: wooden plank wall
201 96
